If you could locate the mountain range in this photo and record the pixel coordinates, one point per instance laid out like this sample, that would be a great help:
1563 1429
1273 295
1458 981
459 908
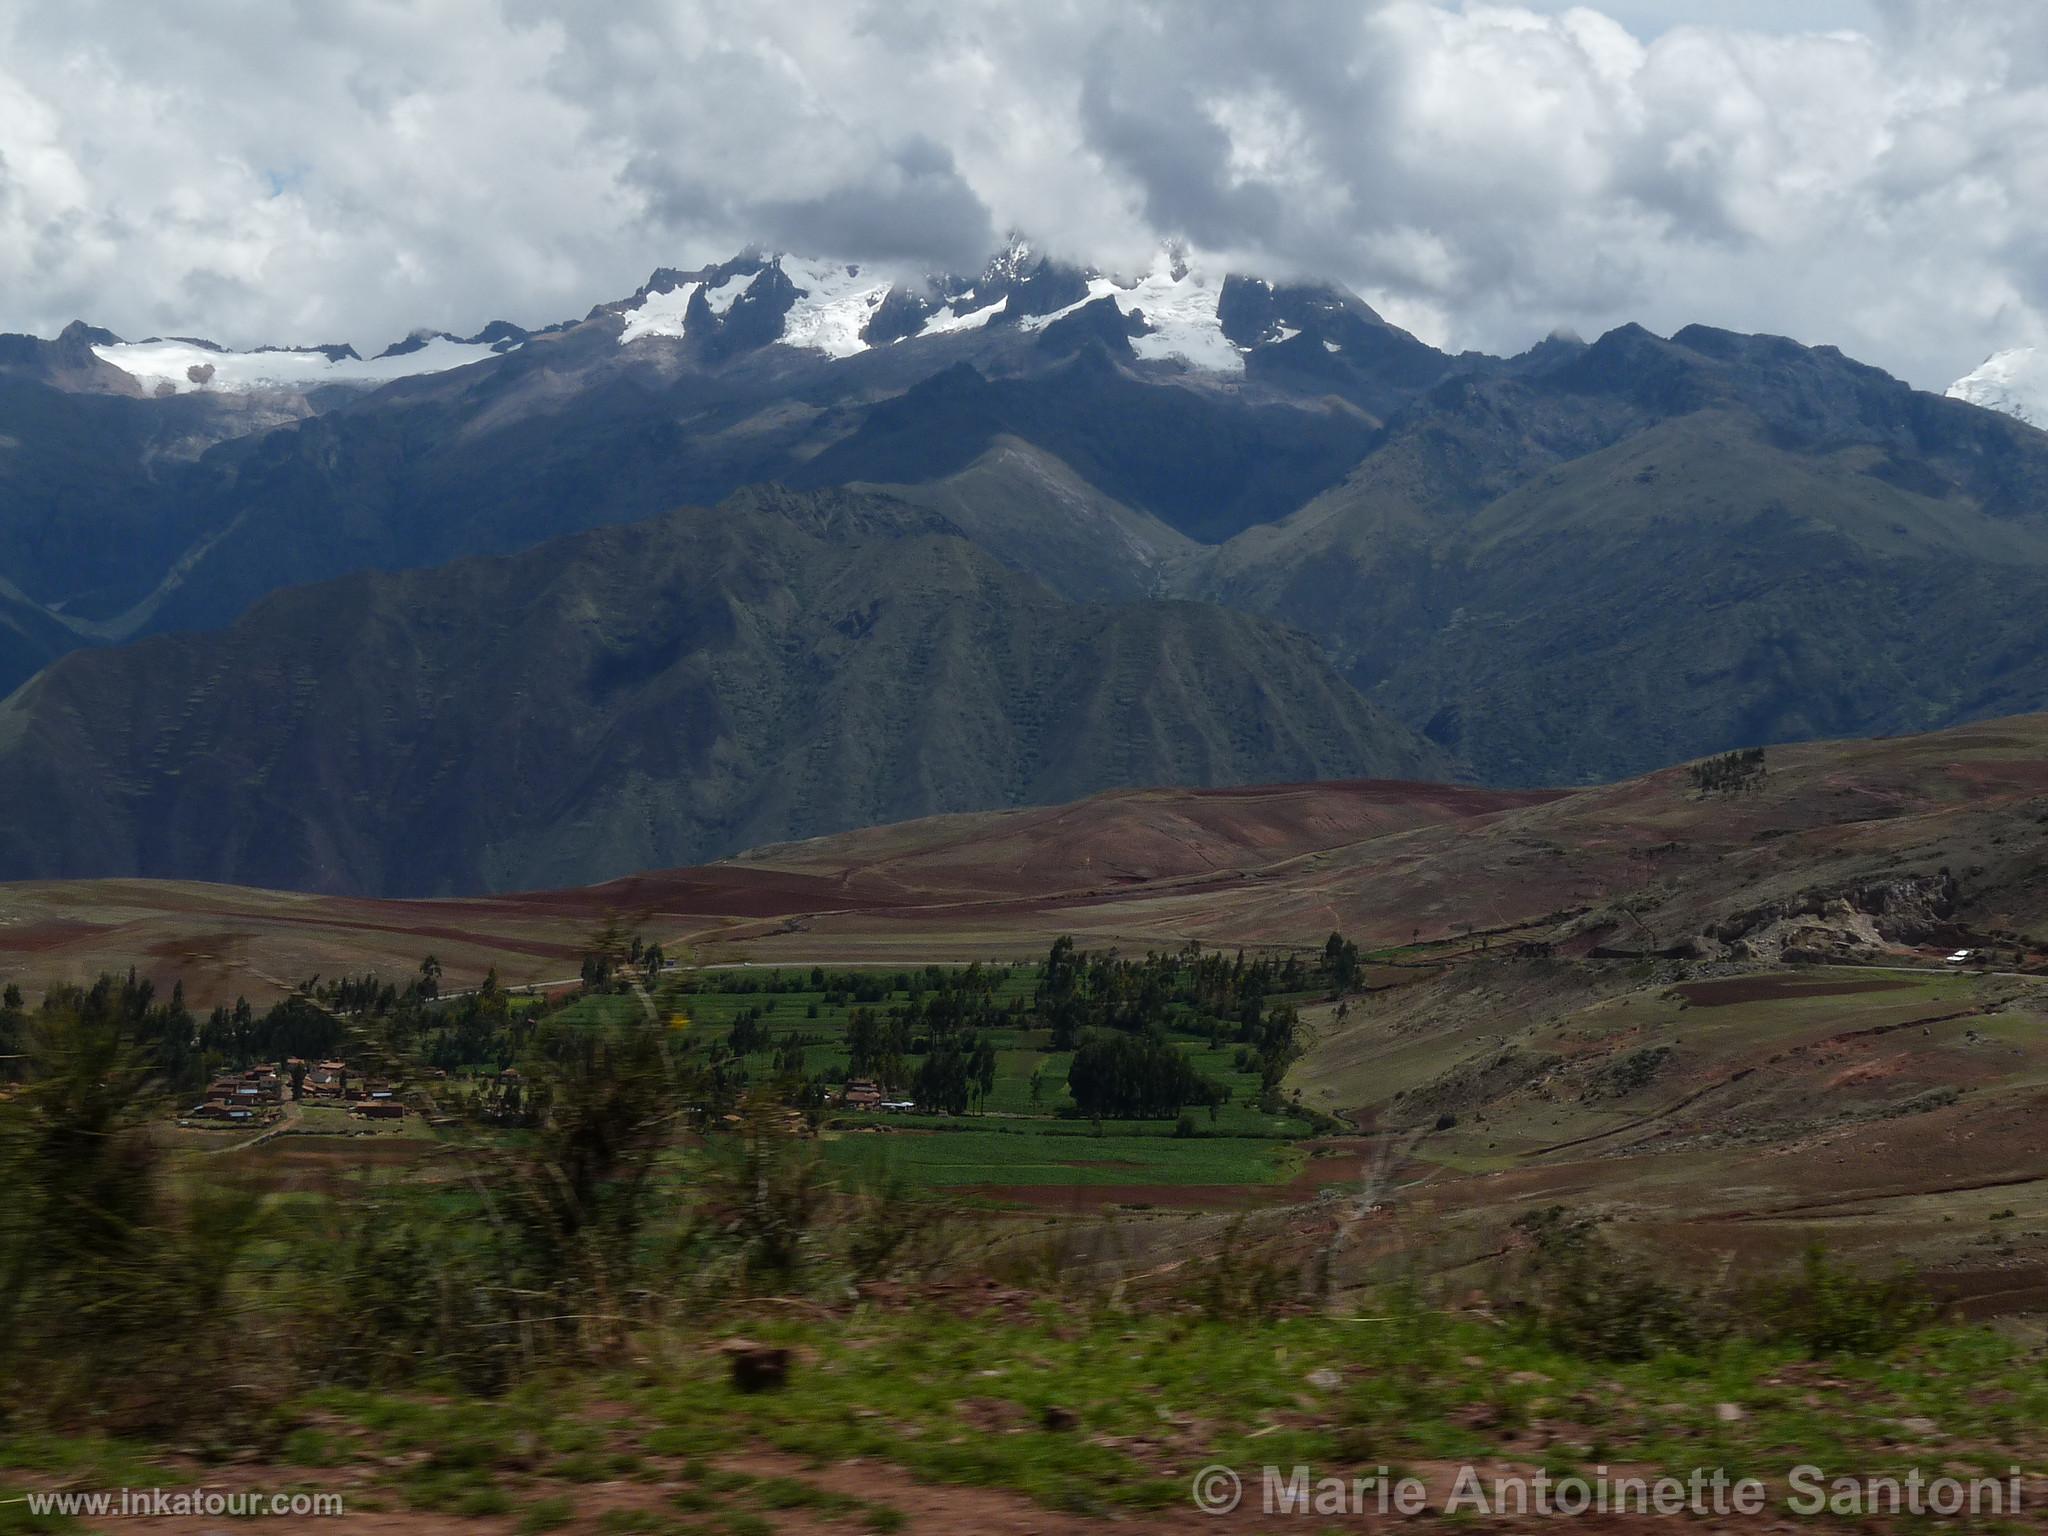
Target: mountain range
497 610
785 664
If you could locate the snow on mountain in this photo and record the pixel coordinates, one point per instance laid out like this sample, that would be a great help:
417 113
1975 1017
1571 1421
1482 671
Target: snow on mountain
947 321
1013 262
1178 302
833 303
172 366
727 293
659 314
2014 381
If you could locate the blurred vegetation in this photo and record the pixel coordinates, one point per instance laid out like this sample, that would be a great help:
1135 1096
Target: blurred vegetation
661 1202
1576 1291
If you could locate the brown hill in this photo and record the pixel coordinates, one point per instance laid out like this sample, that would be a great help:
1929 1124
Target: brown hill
1651 864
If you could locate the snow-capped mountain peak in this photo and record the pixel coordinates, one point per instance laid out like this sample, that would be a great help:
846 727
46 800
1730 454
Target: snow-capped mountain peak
1011 263
177 365
845 308
1178 306
826 306
2014 381
1178 315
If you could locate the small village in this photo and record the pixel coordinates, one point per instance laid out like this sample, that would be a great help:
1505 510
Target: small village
866 1093
258 1095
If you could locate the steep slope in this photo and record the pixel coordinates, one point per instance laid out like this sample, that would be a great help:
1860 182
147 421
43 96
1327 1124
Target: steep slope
1648 550
99 495
1206 462
1033 513
642 695
29 638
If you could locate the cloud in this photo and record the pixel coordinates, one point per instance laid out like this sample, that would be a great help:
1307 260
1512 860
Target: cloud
1485 173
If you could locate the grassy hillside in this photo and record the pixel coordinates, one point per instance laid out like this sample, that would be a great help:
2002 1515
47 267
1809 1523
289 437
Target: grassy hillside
1651 863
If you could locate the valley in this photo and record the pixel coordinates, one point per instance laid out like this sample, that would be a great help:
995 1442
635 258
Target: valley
1719 1087
1720 1016
836 770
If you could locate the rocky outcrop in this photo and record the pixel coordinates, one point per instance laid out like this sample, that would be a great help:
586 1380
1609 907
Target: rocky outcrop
1843 924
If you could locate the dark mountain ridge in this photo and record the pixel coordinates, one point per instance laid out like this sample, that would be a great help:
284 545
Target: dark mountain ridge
1645 550
661 692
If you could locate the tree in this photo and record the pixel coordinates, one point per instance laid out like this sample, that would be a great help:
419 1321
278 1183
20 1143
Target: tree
748 1034
984 1066
1732 773
1123 1076
952 1071
13 1033
1340 963
430 977
108 1274
611 1094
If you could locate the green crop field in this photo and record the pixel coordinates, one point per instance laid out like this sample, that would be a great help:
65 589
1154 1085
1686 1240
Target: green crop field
1025 1132
1017 1157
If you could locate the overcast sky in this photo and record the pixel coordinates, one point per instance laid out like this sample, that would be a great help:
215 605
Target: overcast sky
1872 173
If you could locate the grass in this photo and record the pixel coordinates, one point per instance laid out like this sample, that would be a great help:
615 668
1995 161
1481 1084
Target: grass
1143 1400
1022 1053
548 1514
1408 1385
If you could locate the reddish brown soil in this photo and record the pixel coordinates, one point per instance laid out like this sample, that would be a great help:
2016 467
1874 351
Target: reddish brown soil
1981 1293
49 934
721 890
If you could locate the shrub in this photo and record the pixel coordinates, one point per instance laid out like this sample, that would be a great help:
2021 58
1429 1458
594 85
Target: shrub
1829 1310
1579 1294
114 1295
